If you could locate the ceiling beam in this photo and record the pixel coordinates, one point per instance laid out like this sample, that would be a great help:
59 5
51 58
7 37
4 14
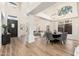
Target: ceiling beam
41 7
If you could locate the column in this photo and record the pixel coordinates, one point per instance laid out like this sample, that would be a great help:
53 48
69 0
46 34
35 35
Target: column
31 28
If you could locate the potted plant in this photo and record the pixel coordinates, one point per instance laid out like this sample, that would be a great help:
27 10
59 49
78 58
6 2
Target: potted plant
5 28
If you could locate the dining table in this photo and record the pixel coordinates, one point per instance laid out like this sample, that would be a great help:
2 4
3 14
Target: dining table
56 35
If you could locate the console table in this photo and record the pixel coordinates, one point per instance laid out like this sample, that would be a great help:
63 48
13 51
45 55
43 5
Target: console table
5 39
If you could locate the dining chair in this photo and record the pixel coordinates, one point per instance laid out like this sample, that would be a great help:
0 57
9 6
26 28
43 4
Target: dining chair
49 37
63 37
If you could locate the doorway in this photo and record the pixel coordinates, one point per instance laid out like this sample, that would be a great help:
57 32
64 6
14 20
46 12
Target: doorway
12 27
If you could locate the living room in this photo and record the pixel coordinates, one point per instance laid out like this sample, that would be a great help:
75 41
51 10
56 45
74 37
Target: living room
28 17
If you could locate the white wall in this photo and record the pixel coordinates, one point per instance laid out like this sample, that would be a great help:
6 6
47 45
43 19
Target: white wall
75 29
41 23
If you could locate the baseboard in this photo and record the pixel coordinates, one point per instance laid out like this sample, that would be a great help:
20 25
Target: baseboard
73 39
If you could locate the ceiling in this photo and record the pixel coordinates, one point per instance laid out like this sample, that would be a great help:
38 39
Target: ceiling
42 6
29 6
37 8
42 10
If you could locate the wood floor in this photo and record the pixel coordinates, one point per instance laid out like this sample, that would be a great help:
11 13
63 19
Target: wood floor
38 48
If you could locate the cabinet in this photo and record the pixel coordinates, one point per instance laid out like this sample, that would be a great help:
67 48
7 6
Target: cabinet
5 39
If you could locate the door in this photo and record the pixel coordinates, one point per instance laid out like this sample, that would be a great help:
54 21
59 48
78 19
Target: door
13 27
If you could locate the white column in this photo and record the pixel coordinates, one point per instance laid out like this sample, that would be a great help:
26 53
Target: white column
2 18
4 14
31 27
